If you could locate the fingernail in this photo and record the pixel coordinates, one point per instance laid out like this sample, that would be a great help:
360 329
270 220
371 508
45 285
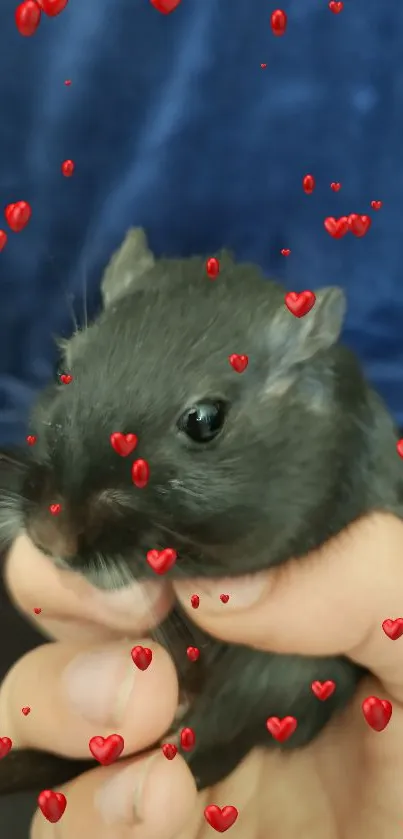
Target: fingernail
242 591
99 684
120 799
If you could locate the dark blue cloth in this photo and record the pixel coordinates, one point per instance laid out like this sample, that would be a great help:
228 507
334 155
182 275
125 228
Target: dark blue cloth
173 125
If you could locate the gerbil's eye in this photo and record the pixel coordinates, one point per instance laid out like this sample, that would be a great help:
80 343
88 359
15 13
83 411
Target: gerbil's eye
203 421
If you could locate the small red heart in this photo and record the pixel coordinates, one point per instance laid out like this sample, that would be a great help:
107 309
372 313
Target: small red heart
123 444
55 509
140 473
31 439
213 267
18 215
224 598
278 22
393 628
5 746
376 205
142 657
263 66
52 804
193 653
3 239
308 184
162 561
238 363
165 6
399 447
336 6
169 750
26 710
323 690
106 749
188 739
220 818
27 18
336 227
66 378
52 7
195 599
37 610
299 304
377 712
285 252
281 729
335 186
68 167
359 225
67 82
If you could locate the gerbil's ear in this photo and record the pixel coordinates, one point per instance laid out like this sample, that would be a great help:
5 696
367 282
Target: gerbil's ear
127 266
298 339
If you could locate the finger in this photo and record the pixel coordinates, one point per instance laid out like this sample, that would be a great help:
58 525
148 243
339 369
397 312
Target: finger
332 602
73 609
76 693
149 798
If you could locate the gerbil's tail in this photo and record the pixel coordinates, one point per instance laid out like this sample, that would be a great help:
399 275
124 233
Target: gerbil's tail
26 770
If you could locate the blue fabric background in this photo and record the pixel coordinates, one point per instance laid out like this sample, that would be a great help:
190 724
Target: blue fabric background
174 126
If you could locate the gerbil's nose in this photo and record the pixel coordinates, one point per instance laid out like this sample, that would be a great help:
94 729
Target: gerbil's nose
52 536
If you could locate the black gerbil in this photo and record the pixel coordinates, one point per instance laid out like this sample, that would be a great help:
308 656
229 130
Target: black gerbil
246 471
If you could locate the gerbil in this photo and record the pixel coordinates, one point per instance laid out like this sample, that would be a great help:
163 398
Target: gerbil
246 471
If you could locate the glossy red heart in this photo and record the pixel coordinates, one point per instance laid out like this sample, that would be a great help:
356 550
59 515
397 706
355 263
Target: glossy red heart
220 818
5 746
31 439
3 239
193 653
359 225
140 473
55 509
377 712
376 205
335 186
18 215
213 267
399 447
142 657
224 598
285 252
26 710
68 167
123 444
323 690
169 750
27 17
263 66
299 304
278 22
195 601
37 610
336 6
52 7
308 184
336 227
165 6
393 628
281 729
238 363
188 739
162 561
52 804
66 378
106 749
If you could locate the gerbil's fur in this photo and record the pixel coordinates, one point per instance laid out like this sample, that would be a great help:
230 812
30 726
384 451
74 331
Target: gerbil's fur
306 448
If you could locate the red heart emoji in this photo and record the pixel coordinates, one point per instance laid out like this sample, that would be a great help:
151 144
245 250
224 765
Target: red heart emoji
52 7
278 22
67 168
336 7
299 304
106 749
224 598
220 818
193 653
5 746
37 610
377 712
162 561
308 184
27 18
213 267
336 227
31 439
281 729
165 6
169 750
285 252
323 690
3 239
142 657
26 710
393 628
359 225
335 186
66 378
195 601
188 739
18 215
399 447
263 66
238 363
52 804
123 444
55 509
376 205
140 473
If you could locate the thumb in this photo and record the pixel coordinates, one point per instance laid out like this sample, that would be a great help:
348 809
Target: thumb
331 602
